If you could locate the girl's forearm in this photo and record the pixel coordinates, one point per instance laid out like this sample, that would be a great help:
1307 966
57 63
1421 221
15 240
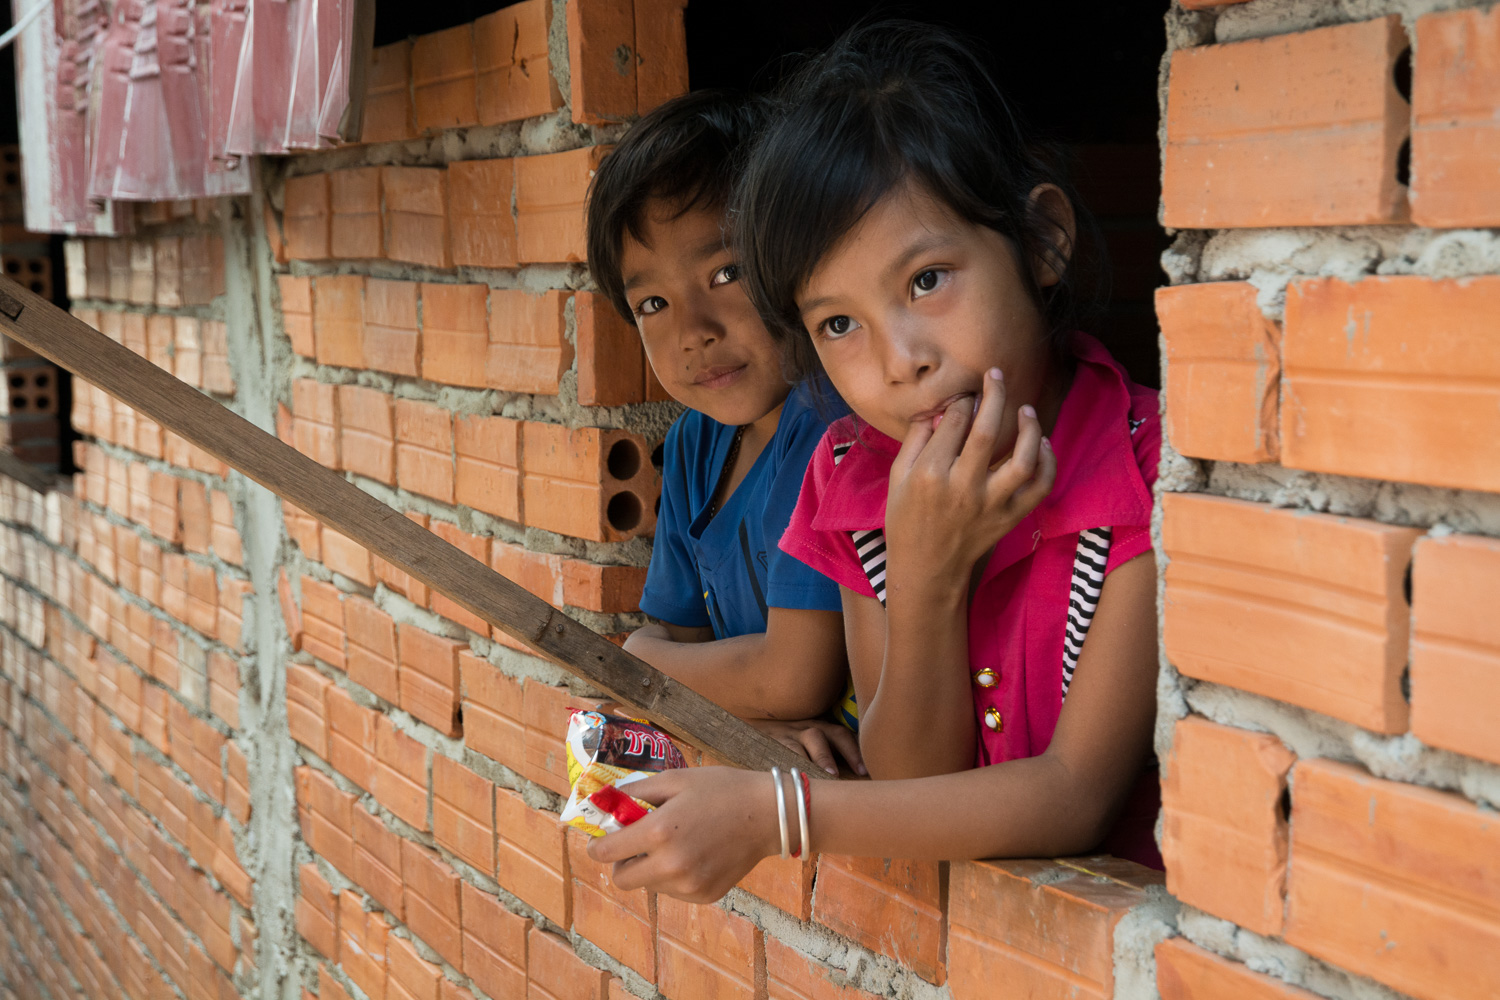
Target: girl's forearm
735 673
924 676
1023 808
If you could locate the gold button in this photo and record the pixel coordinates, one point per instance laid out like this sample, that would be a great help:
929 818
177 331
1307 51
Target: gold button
985 678
993 720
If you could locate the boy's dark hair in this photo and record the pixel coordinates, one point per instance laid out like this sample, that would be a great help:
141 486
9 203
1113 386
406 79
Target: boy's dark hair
890 102
685 154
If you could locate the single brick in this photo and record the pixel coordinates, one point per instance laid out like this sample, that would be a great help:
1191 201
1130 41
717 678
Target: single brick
609 589
428 678
492 708
531 861
791 975
306 218
339 319
316 422
197 520
661 52
1292 130
555 973
1394 882
411 976
588 482
1455 649
481 225
305 530
1223 371
611 362
602 61
223 535
416 214
455 333
1302 607
785 883
388 104
391 341
1455 139
367 433
307 718
377 862
463 813
431 900
528 349
362 945
443 79
142 272
217 376
317 911
1224 837
351 738
424 449
372 648
889 906
1186 972
1044 928
400 773
187 334
511 57
344 555
708 951
1358 400
494 944
487 471
355 198
621 924
550 192
323 621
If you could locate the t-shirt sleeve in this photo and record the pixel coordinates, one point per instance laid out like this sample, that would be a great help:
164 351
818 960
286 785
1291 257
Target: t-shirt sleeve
1130 540
830 553
791 583
673 591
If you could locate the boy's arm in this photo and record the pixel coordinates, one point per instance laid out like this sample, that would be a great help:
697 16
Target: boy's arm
793 670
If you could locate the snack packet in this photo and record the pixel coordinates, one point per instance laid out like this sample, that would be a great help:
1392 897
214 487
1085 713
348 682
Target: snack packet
606 752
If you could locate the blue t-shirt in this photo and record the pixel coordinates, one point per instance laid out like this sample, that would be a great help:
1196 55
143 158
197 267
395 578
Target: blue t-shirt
726 571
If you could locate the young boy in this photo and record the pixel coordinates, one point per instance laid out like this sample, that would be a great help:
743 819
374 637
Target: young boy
738 620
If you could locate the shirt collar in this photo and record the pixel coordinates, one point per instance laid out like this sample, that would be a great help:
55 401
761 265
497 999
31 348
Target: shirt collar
1098 480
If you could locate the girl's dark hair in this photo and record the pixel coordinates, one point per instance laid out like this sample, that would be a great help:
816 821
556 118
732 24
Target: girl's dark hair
892 102
685 154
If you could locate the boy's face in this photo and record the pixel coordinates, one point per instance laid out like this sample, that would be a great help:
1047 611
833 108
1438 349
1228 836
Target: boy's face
703 337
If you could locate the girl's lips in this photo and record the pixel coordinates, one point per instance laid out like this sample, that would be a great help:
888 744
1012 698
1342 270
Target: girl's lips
718 378
936 413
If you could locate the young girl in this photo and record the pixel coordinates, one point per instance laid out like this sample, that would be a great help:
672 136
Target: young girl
985 509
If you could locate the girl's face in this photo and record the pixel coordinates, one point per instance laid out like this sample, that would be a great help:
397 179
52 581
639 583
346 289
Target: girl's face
914 305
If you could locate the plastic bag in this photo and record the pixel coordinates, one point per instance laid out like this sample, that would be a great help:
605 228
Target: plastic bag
605 753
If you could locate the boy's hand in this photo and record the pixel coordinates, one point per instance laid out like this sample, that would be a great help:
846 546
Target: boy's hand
815 739
948 504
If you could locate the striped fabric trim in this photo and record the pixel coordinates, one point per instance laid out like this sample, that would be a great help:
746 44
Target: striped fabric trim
1083 598
870 545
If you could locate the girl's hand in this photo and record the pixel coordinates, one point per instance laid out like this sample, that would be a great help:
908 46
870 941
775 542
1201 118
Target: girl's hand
711 826
947 504
815 739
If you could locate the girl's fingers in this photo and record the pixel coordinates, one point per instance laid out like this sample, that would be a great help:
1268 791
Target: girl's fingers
817 749
847 745
948 439
979 450
1030 494
917 435
1012 474
631 873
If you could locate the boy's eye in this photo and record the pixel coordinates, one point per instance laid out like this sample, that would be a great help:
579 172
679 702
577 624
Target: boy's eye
726 274
837 326
651 304
926 281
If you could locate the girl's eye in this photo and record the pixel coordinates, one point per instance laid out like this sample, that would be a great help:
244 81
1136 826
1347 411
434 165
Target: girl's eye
837 326
725 275
926 281
651 304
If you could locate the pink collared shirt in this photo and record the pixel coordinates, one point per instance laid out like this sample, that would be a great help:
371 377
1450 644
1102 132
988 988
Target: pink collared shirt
1040 586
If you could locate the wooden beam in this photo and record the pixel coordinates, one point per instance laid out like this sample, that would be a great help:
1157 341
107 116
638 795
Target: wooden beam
23 471
176 406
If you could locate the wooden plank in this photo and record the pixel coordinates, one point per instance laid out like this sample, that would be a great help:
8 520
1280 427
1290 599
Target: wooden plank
22 471
472 585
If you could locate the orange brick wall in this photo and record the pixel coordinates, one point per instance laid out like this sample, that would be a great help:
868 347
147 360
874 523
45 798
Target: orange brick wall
1329 516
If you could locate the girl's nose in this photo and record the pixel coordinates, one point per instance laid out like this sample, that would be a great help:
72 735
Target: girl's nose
908 354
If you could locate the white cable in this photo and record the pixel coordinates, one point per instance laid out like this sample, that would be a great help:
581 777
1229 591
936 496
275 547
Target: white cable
26 19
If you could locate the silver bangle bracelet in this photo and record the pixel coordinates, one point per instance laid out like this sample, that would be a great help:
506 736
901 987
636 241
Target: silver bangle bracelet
781 811
803 850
